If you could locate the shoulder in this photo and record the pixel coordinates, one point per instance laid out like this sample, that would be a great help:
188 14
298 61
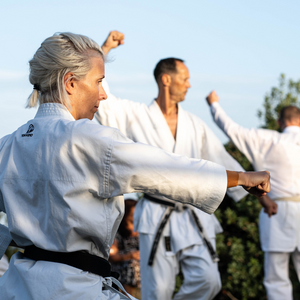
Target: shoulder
88 128
266 133
89 135
4 140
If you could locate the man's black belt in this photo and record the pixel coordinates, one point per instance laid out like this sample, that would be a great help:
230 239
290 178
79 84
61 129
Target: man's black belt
78 259
163 222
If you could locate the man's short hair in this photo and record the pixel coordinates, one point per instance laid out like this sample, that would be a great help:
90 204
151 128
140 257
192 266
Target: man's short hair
289 113
166 66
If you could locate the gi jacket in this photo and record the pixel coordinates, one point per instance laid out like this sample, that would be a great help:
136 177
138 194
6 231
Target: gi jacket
61 186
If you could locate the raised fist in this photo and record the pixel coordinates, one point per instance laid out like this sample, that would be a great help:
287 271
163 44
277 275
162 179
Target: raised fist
114 39
212 97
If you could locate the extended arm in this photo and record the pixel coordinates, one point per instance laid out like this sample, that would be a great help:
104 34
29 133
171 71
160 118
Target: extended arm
142 168
246 140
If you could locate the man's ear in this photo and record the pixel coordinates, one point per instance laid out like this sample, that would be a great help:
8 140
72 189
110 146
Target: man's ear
166 79
69 81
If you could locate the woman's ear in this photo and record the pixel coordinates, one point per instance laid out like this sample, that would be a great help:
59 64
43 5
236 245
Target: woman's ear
69 81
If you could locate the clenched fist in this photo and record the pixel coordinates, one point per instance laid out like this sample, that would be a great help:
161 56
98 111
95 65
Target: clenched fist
256 183
270 206
114 39
212 97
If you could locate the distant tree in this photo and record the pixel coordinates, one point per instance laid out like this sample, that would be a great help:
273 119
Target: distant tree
287 93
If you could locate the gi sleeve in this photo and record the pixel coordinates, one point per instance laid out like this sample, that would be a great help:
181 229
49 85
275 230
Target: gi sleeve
116 112
213 150
137 167
246 140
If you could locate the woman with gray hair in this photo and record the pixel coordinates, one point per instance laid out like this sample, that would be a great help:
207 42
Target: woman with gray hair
62 178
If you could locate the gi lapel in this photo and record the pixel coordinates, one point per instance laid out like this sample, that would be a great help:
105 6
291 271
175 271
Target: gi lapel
166 139
183 139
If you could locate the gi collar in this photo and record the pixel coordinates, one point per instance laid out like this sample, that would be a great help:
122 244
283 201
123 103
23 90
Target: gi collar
54 109
291 129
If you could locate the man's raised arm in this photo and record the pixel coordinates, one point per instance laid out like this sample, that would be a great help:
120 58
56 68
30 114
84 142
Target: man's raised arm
246 140
115 112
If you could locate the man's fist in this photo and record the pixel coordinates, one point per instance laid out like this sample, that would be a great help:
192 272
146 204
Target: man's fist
212 97
114 39
270 207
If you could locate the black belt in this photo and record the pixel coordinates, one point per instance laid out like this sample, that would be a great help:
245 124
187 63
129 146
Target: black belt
159 201
164 220
78 259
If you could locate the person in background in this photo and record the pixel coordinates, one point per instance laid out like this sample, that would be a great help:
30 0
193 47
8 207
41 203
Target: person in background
171 236
124 252
279 153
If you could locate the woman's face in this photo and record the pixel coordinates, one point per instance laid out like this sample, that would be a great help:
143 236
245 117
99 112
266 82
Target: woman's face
88 91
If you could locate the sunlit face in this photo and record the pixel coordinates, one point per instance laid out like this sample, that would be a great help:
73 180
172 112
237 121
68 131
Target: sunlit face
89 91
180 82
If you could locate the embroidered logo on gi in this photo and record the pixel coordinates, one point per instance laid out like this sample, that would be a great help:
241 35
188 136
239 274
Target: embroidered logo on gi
30 129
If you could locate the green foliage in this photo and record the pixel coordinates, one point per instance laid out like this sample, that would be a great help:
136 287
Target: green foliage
285 94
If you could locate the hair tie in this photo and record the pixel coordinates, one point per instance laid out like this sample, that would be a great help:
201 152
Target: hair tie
36 87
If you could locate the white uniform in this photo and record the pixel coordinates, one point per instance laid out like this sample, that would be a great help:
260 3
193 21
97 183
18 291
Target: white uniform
195 140
280 234
4 259
61 186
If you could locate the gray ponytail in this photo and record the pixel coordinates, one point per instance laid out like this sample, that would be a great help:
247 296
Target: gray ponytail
58 55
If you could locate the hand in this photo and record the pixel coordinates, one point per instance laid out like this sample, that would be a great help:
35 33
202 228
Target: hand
114 39
135 255
270 207
256 183
212 97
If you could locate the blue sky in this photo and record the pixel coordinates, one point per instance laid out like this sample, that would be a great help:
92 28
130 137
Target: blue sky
239 48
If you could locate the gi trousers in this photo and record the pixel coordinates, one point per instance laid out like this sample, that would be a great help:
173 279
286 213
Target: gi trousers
277 281
201 276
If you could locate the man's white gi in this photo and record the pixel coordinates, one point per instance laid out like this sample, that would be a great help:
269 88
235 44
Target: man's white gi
279 153
61 186
194 139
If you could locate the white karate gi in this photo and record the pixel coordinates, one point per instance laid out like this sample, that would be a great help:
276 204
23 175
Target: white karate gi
4 259
279 234
61 186
194 139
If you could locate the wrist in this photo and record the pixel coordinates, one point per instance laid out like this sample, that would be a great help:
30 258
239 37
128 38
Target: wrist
241 178
232 178
105 49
